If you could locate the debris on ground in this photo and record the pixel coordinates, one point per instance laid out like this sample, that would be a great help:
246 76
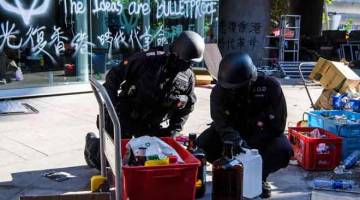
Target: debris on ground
58 176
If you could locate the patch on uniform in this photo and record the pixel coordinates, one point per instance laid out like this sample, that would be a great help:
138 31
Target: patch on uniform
126 62
181 81
261 89
259 95
154 53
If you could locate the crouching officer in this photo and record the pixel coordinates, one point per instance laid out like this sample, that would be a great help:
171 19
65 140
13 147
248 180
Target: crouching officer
150 88
249 110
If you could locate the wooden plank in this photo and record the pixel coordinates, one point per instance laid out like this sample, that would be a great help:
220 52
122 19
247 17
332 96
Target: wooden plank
212 58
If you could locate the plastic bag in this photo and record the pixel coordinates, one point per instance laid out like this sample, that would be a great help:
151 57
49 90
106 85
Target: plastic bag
19 75
154 147
315 133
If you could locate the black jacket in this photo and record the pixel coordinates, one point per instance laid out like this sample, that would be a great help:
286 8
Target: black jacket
256 115
151 85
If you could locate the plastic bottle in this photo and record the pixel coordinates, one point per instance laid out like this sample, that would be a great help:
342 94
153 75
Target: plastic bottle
334 184
351 160
227 176
199 154
252 163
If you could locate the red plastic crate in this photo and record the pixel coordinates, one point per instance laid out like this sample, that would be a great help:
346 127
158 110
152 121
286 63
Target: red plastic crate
306 149
174 181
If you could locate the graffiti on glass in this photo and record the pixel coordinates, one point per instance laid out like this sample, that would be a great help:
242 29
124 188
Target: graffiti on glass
36 8
7 34
35 39
57 39
243 34
163 9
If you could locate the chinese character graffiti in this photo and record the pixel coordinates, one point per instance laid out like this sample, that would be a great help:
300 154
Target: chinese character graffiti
57 42
242 26
36 38
80 43
57 39
239 35
7 34
256 28
107 38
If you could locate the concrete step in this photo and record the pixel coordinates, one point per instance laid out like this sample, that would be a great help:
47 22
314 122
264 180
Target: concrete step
291 69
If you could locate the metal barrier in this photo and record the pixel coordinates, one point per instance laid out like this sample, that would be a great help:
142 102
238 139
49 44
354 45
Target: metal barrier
110 149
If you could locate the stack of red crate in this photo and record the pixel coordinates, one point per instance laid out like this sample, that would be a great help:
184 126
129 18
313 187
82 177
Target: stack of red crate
314 153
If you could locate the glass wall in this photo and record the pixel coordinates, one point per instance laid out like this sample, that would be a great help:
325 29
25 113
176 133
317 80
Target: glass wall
63 42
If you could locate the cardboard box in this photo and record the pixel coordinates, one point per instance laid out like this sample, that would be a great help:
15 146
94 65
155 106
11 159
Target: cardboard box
325 100
334 75
349 85
87 196
203 80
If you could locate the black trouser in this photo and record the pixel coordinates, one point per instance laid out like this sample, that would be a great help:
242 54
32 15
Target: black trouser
275 153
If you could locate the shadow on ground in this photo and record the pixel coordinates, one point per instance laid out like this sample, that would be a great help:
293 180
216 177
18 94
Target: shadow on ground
34 183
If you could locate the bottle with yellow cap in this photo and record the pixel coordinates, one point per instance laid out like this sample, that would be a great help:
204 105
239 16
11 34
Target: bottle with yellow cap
199 154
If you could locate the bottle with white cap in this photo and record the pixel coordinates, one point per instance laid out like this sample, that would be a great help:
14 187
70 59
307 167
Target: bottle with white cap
252 163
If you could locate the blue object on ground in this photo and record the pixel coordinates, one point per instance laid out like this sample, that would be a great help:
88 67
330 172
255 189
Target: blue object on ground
337 102
348 127
334 184
351 160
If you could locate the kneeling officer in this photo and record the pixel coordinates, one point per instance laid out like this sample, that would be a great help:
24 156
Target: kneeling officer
249 110
150 88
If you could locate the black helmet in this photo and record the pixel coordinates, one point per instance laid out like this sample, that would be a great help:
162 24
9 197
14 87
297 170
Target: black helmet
189 46
235 70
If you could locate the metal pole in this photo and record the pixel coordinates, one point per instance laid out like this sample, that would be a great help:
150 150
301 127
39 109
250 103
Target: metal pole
101 133
302 77
104 101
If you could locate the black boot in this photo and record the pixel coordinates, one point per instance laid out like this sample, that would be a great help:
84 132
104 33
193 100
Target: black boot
92 151
266 190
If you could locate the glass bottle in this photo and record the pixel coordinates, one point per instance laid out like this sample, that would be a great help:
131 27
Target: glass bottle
227 176
199 154
141 156
132 159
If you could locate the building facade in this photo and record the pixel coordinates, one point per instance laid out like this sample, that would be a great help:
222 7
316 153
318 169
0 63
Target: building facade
50 47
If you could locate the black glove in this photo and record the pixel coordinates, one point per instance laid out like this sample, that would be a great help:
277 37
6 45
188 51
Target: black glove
244 144
239 146
238 142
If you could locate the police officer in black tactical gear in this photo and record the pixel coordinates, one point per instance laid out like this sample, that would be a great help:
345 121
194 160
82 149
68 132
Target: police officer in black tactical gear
150 88
249 110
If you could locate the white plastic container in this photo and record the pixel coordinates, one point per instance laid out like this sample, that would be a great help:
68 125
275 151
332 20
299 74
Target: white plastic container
252 181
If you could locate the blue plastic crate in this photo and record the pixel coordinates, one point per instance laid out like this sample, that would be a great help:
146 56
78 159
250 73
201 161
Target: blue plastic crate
325 119
350 145
354 104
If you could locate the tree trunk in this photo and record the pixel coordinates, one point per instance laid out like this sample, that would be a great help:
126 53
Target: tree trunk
311 12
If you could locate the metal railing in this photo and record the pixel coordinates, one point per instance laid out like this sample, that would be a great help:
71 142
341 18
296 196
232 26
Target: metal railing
110 149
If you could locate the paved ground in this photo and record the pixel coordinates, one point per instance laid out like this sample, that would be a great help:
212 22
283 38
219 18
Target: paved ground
53 140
